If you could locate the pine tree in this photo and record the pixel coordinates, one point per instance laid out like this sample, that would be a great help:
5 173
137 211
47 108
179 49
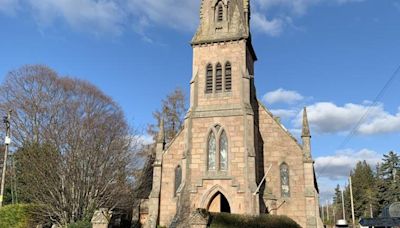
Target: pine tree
364 192
390 167
388 183
363 186
337 203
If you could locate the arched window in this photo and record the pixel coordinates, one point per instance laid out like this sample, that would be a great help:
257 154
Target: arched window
178 178
212 152
228 77
218 78
217 150
285 186
223 152
220 12
209 79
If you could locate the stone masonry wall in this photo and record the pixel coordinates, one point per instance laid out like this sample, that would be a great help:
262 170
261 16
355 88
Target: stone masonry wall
171 159
232 183
235 53
280 147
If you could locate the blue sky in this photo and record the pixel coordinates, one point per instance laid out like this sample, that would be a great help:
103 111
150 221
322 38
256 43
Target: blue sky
333 56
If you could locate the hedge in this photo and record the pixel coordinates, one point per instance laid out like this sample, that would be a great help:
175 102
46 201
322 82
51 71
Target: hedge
80 224
15 216
224 220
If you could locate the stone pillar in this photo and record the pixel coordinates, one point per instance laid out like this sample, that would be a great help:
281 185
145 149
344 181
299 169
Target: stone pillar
311 191
310 195
154 199
101 218
199 219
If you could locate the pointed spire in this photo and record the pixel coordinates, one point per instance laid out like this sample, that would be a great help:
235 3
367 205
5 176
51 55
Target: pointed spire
306 127
161 133
306 137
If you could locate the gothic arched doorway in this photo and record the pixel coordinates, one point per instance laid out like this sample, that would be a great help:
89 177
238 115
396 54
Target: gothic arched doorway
219 203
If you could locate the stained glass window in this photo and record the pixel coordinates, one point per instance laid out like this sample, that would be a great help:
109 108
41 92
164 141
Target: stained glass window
223 152
212 151
285 180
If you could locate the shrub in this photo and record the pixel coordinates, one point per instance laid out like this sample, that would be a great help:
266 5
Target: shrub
224 220
16 216
80 224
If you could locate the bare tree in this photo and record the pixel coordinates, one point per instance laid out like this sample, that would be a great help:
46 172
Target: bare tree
75 145
173 110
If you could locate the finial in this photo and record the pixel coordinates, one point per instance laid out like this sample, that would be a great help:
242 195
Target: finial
161 133
306 127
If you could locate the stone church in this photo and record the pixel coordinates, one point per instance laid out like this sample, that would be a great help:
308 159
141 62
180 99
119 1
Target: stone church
232 154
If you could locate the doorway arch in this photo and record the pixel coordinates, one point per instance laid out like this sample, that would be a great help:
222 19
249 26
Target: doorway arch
219 203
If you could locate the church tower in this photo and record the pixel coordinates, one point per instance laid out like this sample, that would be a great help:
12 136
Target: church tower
232 155
221 116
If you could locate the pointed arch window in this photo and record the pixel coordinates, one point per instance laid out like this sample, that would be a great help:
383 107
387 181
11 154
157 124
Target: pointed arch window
217 150
218 78
209 79
223 152
178 178
212 151
228 76
285 185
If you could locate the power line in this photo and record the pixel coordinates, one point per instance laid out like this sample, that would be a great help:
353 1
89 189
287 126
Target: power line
377 99
361 120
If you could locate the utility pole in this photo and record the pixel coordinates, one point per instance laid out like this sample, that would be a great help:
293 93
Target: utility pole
352 203
327 210
344 212
334 213
370 210
7 142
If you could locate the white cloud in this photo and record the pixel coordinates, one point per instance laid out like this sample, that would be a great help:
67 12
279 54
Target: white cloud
178 14
298 7
146 139
9 7
287 10
326 189
339 165
272 27
114 16
97 16
327 117
384 123
282 96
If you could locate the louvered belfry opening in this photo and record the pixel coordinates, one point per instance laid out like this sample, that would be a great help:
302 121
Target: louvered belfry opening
218 79
220 13
209 79
228 77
